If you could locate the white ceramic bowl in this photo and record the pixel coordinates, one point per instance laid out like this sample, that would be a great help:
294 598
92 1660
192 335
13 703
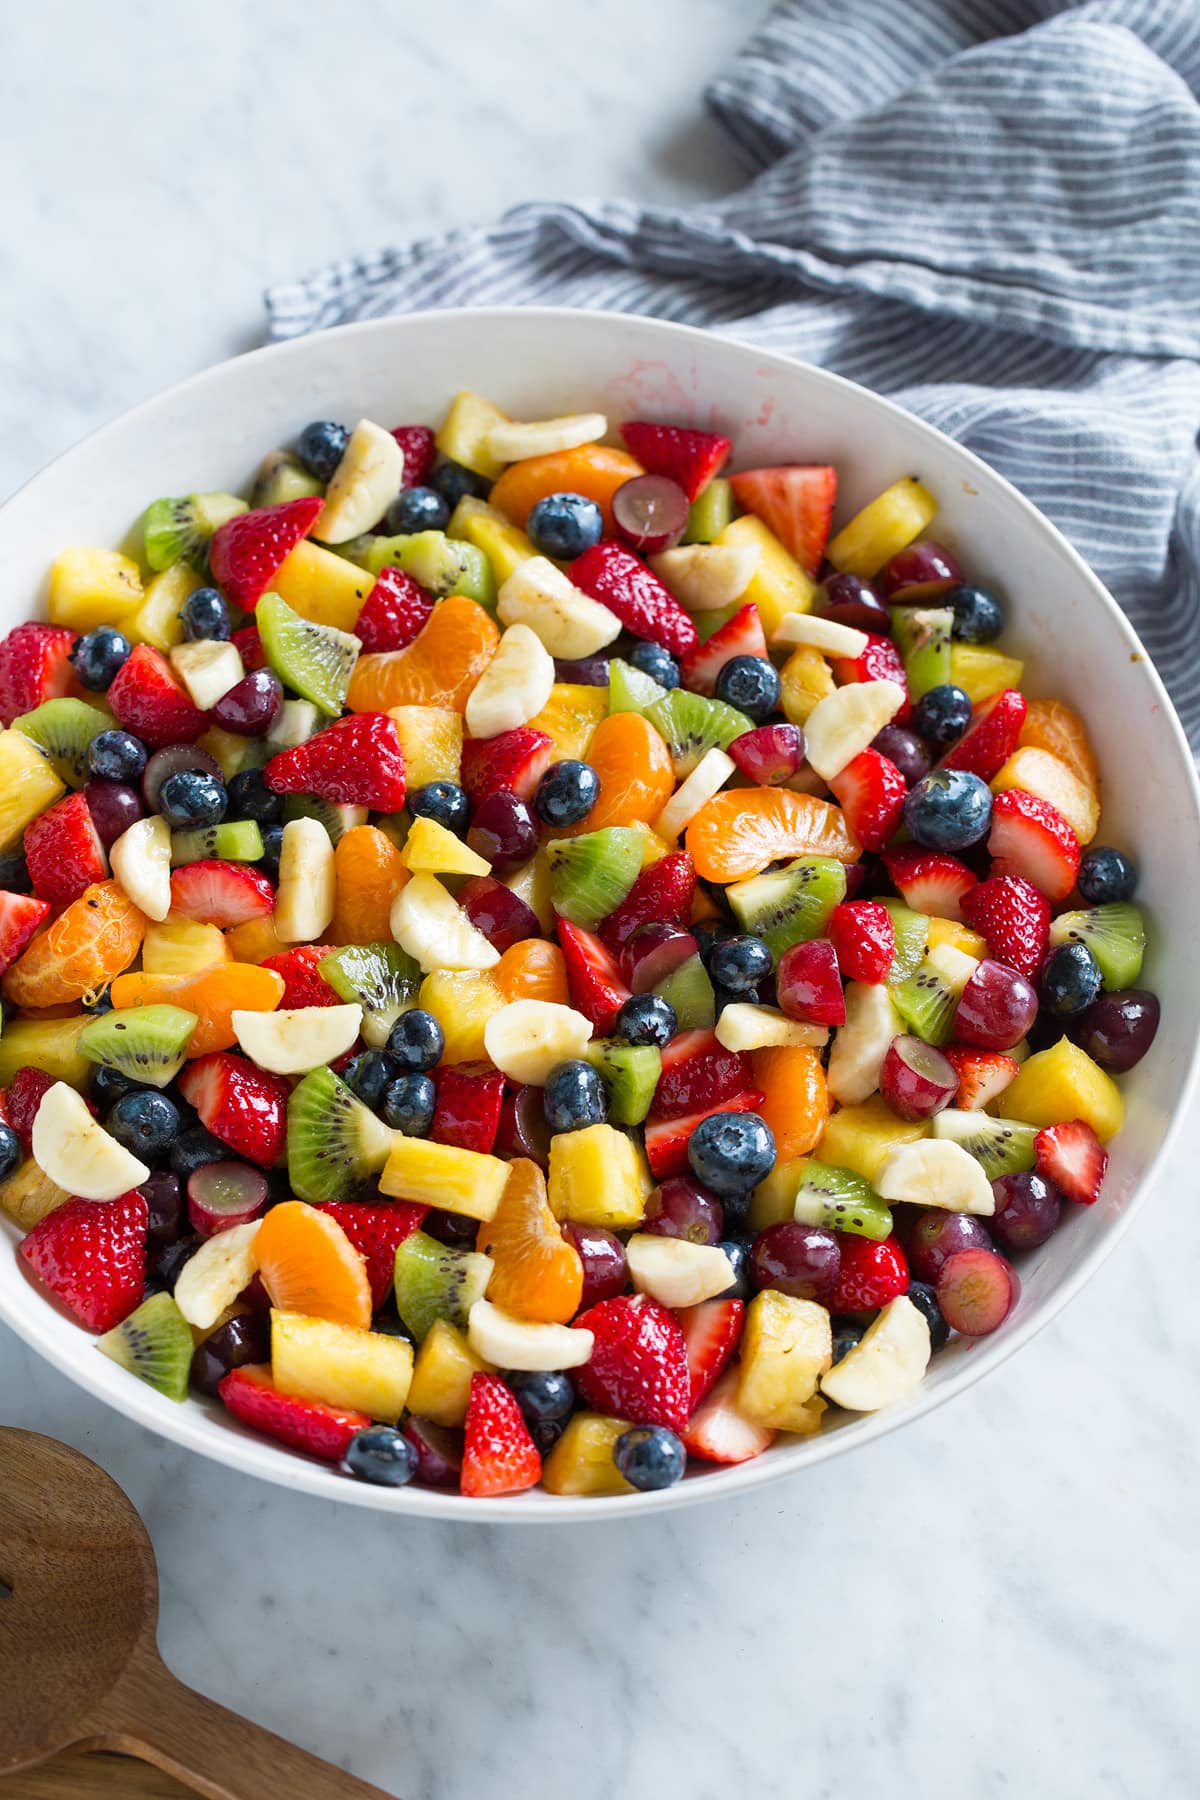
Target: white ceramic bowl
210 431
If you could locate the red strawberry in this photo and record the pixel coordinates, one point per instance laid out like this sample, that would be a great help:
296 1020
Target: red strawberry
91 1254
356 761
20 916
1013 919
880 661
502 916
621 581
244 1106
513 759
661 893
246 551
864 939
64 852
638 1368
871 791
220 893
499 1456
1073 1158
742 635
667 1139
149 701
698 1073
376 1229
769 754
795 501
593 977
248 645
711 1332
991 737
690 458
419 447
393 612
718 1433
35 665
468 1107
307 1425
872 1273
929 880
1029 837
809 983
26 1092
982 1074
302 985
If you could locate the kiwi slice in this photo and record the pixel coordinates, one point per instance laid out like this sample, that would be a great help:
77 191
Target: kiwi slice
690 726
922 635
690 992
442 565
181 530
146 1043
629 690
790 905
927 1004
234 840
333 1141
434 1281
316 660
837 1199
281 477
154 1343
911 930
710 513
1114 933
382 978
1002 1146
630 1073
591 874
336 818
63 729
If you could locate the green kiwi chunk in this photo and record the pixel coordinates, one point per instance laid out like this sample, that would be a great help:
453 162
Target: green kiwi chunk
709 623
1114 933
435 1281
154 1343
911 931
591 874
333 1141
381 978
629 690
332 814
630 1073
442 565
317 661
147 1043
690 992
837 1199
690 726
710 513
62 729
282 477
922 635
181 530
233 840
1001 1146
790 905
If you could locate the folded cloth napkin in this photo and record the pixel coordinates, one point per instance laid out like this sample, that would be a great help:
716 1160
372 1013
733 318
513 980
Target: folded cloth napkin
988 210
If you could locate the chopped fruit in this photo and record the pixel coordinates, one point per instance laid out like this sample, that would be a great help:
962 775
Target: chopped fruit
306 1425
1073 1158
770 754
92 1256
514 687
983 1075
861 1136
441 1175
871 791
620 581
26 1091
779 585
154 1343
505 545
432 849
245 1107
887 1364
747 1025
873 1271
795 1100
317 1359
246 551
377 1230
738 833
220 893
689 458
440 667
431 739
1013 918
634 770
522 1345
291 1041
536 1274
441 1384
1054 726
981 671
527 1039
76 1153
864 939
308 1265
569 624
638 1368
323 588
703 784
581 1462
149 701
334 1142
711 1333
499 1456
436 1281
27 784
570 717
363 485
661 894
1064 1083
883 528
590 875
1115 934
462 1002
598 1176
20 916
795 502
533 970
514 760
667 1139
841 727
183 947
991 737
592 470
719 1432
1030 838
303 985
742 635
708 577
697 1073
141 862
431 926
467 1113
938 1172
213 995
81 952
63 852
676 1271
355 761
930 880
805 679
35 666
976 1291
90 588
1050 780
786 1348
880 661
959 937
593 977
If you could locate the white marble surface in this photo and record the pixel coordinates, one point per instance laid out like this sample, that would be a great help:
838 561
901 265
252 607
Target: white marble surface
993 1604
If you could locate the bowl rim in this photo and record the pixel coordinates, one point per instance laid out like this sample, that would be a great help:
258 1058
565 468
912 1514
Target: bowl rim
188 1425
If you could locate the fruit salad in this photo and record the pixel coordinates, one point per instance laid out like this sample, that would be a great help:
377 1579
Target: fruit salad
529 958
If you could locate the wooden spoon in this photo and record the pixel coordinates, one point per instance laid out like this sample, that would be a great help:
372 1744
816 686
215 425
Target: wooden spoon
81 1669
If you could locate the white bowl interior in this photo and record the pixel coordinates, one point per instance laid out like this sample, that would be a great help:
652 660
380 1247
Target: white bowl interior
212 430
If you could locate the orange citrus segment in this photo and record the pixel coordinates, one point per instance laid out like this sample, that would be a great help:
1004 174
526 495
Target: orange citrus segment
533 970
439 668
214 995
96 937
795 1100
634 767
1054 726
739 832
369 875
255 940
309 1266
537 1274
592 470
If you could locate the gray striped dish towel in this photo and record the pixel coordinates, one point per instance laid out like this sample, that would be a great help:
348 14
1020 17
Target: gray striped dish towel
988 210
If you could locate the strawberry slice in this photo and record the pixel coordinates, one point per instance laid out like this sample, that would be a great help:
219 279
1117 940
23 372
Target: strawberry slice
1013 919
638 1368
742 635
249 646
880 661
149 702
991 737
220 893
247 550
718 1433
35 665
667 1139
516 760
376 1229
308 1425
593 978
795 501
610 573
302 985
871 792
26 1091
982 1075
64 852
20 916
499 1456
356 761
91 1254
690 458
711 1333
420 447
930 881
1029 837
467 1113
393 612
661 893
1073 1158
243 1105
872 1272
698 1074
864 940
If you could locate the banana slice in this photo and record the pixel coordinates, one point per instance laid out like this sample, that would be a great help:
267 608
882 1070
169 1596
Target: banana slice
825 635
745 1027
363 485
305 896
887 1365
435 930
937 1172
71 1149
861 1044
509 1343
512 441
569 623
514 687
299 1039
706 779
141 861
213 1278
676 1272
294 723
840 726
528 1038
207 669
704 577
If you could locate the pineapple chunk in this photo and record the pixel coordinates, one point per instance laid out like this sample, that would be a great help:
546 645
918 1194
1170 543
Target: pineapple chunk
598 1176
1047 776
863 1137
442 1175
804 679
505 545
441 1383
778 585
431 849
365 1371
570 717
462 1001
464 433
320 586
874 535
582 1460
1064 1083
431 738
93 587
958 937
157 620
786 1348
51 1045
28 785
531 883
232 753
982 672
183 947
27 1195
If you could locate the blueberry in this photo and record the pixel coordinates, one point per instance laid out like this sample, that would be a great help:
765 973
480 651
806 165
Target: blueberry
168 1265
14 872
389 1324
453 482
10 1151
205 615
99 1002
1106 875
251 798
109 1084
924 1298
442 801
736 1208
646 1019
545 1396
978 615
566 793
416 1042
750 683
367 1074
408 1103
117 756
417 509
196 1147
655 662
723 997
380 1454
847 1336
99 656
942 715
574 1097
708 934
948 809
1070 980
650 1457
272 837
320 447
563 526
731 1152
737 1249
146 1122
190 798
739 963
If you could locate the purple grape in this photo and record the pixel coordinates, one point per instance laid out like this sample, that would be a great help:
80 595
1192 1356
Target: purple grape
650 512
849 600
173 761
504 831
250 706
681 1208
1028 1208
921 571
246 1338
801 1260
603 1257
114 808
586 671
523 1130
933 1236
996 1008
451 1228
439 1453
164 1203
1118 1029
905 749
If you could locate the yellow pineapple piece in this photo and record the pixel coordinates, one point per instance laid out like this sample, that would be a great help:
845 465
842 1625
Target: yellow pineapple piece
1047 776
464 432
804 679
157 620
320 586
505 545
779 585
365 1371
1064 1083
774 1199
93 587
51 1045
531 883
874 535
982 672
598 1176
786 1347
231 752
441 1383
183 947
26 1196
570 717
582 1460
431 738
462 1001
654 848
862 1137
432 849
254 941
28 785
959 937
442 1175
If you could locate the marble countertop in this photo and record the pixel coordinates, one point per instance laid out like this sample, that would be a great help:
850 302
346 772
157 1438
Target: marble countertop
993 1603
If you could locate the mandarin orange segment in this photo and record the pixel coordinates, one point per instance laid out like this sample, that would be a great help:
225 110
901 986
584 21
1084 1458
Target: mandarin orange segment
533 970
634 767
214 996
795 1100
537 1274
369 874
308 1265
96 937
1054 726
439 668
593 470
740 831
